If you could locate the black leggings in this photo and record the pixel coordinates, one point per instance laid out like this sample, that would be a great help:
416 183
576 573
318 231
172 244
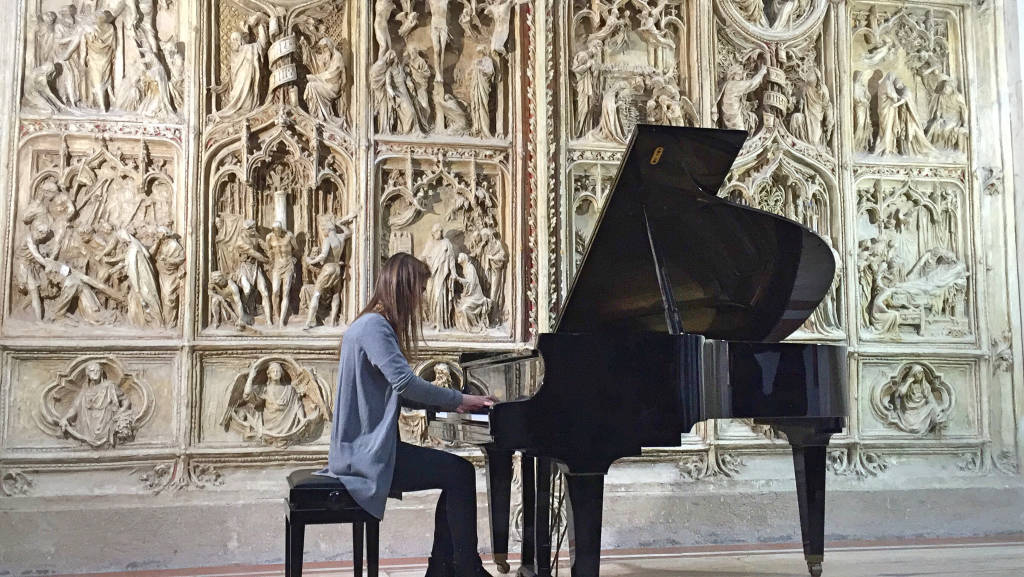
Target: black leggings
420 468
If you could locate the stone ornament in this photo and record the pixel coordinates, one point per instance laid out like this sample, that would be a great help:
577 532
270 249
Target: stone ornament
96 246
915 400
913 277
278 402
412 423
96 402
446 212
907 83
123 57
614 88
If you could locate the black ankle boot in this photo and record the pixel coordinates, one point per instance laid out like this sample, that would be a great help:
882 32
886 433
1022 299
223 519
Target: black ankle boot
437 567
474 570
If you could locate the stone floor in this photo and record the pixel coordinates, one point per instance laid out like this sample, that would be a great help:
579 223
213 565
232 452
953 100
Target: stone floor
1002 557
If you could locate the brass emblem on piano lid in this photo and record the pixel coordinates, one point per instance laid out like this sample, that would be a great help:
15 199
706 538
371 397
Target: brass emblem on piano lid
656 156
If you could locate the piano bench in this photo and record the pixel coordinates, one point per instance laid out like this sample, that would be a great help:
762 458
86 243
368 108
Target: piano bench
319 500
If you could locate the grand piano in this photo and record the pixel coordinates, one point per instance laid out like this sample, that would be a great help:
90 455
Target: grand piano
675 316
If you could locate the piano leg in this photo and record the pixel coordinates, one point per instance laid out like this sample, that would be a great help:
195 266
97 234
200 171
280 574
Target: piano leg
499 493
809 443
586 500
542 518
529 497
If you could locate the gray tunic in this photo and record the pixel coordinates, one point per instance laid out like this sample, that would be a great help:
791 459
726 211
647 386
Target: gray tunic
372 374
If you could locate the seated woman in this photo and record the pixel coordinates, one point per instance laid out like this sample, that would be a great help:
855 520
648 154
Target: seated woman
366 454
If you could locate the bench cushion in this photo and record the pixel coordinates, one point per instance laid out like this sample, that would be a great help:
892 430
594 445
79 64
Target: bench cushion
308 490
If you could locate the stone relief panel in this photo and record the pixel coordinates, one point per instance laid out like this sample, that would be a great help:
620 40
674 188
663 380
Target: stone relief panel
96 245
449 210
254 399
281 53
279 230
914 261
444 68
95 57
591 176
908 83
627 62
105 403
412 423
928 399
278 402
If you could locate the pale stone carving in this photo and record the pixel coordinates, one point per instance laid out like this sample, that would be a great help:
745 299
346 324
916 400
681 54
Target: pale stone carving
913 280
277 402
915 400
324 87
863 128
90 223
333 260
734 112
711 464
947 127
14 483
120 56
96 402
412 423
481 77
281 250
453 207
856 461
899 130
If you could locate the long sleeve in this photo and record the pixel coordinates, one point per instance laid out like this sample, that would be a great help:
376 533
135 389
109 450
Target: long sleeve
383 353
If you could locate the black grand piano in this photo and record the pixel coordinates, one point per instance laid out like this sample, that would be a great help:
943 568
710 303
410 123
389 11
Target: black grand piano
675 317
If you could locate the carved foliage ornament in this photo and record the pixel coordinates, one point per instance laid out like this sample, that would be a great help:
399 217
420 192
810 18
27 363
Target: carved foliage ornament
277 402
915 400
97 402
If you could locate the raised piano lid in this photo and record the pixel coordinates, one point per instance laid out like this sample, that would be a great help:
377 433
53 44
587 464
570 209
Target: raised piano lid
736 272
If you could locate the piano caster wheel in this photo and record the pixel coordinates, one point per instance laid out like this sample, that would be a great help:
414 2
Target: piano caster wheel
501 561
814 568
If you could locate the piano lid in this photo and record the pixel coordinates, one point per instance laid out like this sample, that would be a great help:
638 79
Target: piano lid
736 273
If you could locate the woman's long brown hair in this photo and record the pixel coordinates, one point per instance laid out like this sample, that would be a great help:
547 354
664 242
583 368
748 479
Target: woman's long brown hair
398 296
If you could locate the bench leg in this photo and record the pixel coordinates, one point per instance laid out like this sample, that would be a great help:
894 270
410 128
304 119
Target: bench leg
293 555
287 547
357 549
372 548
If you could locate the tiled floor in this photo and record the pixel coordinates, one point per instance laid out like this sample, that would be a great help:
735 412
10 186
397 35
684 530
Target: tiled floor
957 558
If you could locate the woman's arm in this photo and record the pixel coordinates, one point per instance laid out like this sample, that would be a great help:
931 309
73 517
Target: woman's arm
382 351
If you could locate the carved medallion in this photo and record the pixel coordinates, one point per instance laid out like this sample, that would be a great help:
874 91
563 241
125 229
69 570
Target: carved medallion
915 400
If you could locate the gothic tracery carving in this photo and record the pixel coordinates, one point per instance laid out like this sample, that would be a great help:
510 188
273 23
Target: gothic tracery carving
915 400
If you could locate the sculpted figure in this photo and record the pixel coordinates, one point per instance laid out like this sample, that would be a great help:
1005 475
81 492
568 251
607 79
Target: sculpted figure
247 70
438 301
947 127
586 66
100 46
143 295
329 281
281 248
249 276
473 308
379 93
419 73
170 261
784 12
650 26
610 126
33 264
899 131
100 415
500 12
456 120
862 125
69 55
732 111
324 87
816 123
222 292
494 259
400 96
752 10
45 38
914 405
408 18
278 411
439 35
481 79
382 10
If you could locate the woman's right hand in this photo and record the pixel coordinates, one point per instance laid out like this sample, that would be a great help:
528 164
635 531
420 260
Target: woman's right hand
472 403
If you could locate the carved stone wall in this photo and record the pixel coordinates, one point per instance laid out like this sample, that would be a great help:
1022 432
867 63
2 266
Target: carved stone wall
198 194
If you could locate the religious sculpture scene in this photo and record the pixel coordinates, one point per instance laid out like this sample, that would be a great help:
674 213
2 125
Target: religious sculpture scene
412 423
96 245
95 402
774 15
630 62
908 92
443 68
913 277
278 402
915 400
89 57
446 211
298 56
